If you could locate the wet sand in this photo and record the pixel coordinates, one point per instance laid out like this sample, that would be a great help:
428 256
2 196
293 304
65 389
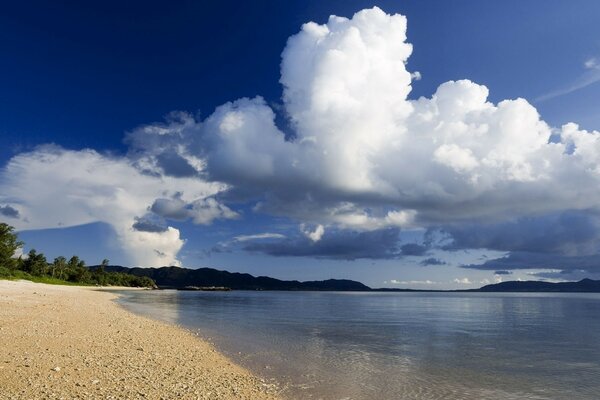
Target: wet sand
62 342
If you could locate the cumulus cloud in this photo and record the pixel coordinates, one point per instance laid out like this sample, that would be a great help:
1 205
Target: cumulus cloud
462 281
201 211
497 279
147 225
54 187
163 149
314 235
363 161
363 155
173 208
416 76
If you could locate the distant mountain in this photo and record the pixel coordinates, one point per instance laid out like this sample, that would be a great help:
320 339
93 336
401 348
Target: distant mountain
583 286
175 277
179 278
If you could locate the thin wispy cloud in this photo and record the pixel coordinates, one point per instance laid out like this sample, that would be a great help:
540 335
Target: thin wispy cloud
592 63
227 246
428 282
413 282
258 236
590 76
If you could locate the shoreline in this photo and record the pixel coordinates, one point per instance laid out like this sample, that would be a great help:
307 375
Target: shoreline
76 342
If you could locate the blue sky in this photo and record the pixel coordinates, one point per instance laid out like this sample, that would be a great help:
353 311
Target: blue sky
104 76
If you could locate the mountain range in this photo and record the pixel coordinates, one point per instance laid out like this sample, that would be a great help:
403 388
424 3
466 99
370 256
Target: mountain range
584 285
179 278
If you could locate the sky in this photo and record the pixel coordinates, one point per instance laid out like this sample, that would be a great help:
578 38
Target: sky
419 144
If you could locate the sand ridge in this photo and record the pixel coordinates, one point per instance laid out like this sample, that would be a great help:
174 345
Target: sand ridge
60 342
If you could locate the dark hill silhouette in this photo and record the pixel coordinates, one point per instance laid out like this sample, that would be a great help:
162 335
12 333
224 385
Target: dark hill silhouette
583 286
175 277
179 278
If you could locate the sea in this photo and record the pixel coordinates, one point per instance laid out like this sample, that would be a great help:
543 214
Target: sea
355 345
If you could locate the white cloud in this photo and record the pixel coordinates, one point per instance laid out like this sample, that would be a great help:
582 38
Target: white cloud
415 282
428 282
462 281
258 236
315 235
19 253
460 160
401 219
590 76
244 240
591 63
363 155
202 211
54 187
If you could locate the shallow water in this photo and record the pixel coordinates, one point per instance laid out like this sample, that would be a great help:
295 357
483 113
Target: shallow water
325 345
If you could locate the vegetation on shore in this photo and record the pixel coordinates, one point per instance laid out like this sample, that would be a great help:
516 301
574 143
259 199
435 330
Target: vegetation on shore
36 268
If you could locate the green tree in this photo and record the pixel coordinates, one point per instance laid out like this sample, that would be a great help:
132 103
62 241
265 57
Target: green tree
9 244
82 275
74 269
36 263
59 267
73 262
103 265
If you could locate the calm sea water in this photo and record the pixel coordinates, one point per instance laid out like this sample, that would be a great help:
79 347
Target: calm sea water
399 345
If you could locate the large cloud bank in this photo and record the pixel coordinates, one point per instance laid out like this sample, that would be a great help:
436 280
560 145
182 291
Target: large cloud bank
362 156
52 187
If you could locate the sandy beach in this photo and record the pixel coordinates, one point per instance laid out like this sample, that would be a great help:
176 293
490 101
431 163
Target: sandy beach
61 342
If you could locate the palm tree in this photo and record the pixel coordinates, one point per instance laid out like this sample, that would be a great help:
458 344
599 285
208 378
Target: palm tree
59 264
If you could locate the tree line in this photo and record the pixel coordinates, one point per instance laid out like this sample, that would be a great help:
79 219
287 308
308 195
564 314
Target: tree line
36 267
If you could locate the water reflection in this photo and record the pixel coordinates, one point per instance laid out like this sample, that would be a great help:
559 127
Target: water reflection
400 345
